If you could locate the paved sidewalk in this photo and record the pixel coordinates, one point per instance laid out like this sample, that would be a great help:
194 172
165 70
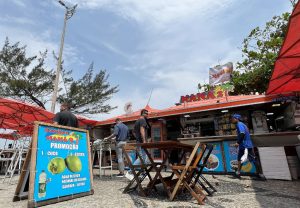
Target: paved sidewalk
231 193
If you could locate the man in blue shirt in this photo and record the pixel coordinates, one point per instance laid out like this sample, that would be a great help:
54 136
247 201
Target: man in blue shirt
121 134
245 145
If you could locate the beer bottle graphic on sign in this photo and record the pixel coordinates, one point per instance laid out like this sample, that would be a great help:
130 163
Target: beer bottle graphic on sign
42 184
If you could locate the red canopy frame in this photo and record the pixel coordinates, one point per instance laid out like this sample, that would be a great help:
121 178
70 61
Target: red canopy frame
286 72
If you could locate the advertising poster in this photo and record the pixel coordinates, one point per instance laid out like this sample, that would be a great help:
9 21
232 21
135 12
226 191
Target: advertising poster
220 74
62 163
231 153
215 161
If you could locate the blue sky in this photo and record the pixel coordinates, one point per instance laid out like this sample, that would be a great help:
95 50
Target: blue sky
167 46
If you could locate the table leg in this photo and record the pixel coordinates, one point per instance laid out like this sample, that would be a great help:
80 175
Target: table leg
158 172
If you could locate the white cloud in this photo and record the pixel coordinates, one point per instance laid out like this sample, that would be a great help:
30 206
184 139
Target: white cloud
39 42
136 97
176 48
16 20
19 3
157 12
113 49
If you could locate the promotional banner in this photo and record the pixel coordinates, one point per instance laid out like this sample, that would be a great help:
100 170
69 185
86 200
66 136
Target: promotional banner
220 74
231 153
215 161
62 163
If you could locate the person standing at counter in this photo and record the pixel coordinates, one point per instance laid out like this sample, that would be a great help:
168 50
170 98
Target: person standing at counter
140 132
245 145
121 135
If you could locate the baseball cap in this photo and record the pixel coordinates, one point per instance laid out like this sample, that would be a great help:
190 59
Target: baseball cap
236 116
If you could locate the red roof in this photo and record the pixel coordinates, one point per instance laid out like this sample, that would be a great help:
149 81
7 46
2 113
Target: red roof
198 106
130 117
286 73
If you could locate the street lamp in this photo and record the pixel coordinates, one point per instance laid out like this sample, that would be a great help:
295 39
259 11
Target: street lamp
68 14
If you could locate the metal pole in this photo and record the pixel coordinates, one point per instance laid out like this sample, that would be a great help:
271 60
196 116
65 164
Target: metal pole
54 95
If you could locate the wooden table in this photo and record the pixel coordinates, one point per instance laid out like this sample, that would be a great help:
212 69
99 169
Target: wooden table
166 147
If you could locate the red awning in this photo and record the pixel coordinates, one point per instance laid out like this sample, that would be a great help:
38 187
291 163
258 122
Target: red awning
286 73
21 116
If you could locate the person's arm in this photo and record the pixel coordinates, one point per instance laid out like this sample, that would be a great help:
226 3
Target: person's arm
116 132
110 137
241 132
143 134
241 138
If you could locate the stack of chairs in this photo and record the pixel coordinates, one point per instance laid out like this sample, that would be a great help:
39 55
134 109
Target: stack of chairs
12 158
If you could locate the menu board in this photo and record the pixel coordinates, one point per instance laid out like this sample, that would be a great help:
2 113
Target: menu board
231 153
61 161
215 161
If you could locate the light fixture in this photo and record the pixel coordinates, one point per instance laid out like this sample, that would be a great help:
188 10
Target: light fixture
276 105
270 114
187 116
279 118
224 111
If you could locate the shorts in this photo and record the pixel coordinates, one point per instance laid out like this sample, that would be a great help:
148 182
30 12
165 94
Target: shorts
251 154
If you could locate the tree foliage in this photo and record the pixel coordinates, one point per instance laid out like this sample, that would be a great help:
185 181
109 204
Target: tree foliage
260 50
28 79
90 93
24 77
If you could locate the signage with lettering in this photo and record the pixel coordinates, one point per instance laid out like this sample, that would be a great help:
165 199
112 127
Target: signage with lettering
60 164
212 94
220 74
215 92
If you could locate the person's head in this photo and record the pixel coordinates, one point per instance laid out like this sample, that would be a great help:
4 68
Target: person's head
236 118
65 106
144 113
118 120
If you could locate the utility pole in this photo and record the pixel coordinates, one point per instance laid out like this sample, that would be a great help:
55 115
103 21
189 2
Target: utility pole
68 14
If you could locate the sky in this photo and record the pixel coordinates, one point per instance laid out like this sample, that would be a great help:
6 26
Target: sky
163 46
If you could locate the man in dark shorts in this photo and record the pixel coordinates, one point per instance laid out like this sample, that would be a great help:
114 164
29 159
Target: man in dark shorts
65 117
245 145
140 131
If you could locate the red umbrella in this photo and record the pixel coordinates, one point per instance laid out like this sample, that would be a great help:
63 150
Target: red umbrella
286 73
20 116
